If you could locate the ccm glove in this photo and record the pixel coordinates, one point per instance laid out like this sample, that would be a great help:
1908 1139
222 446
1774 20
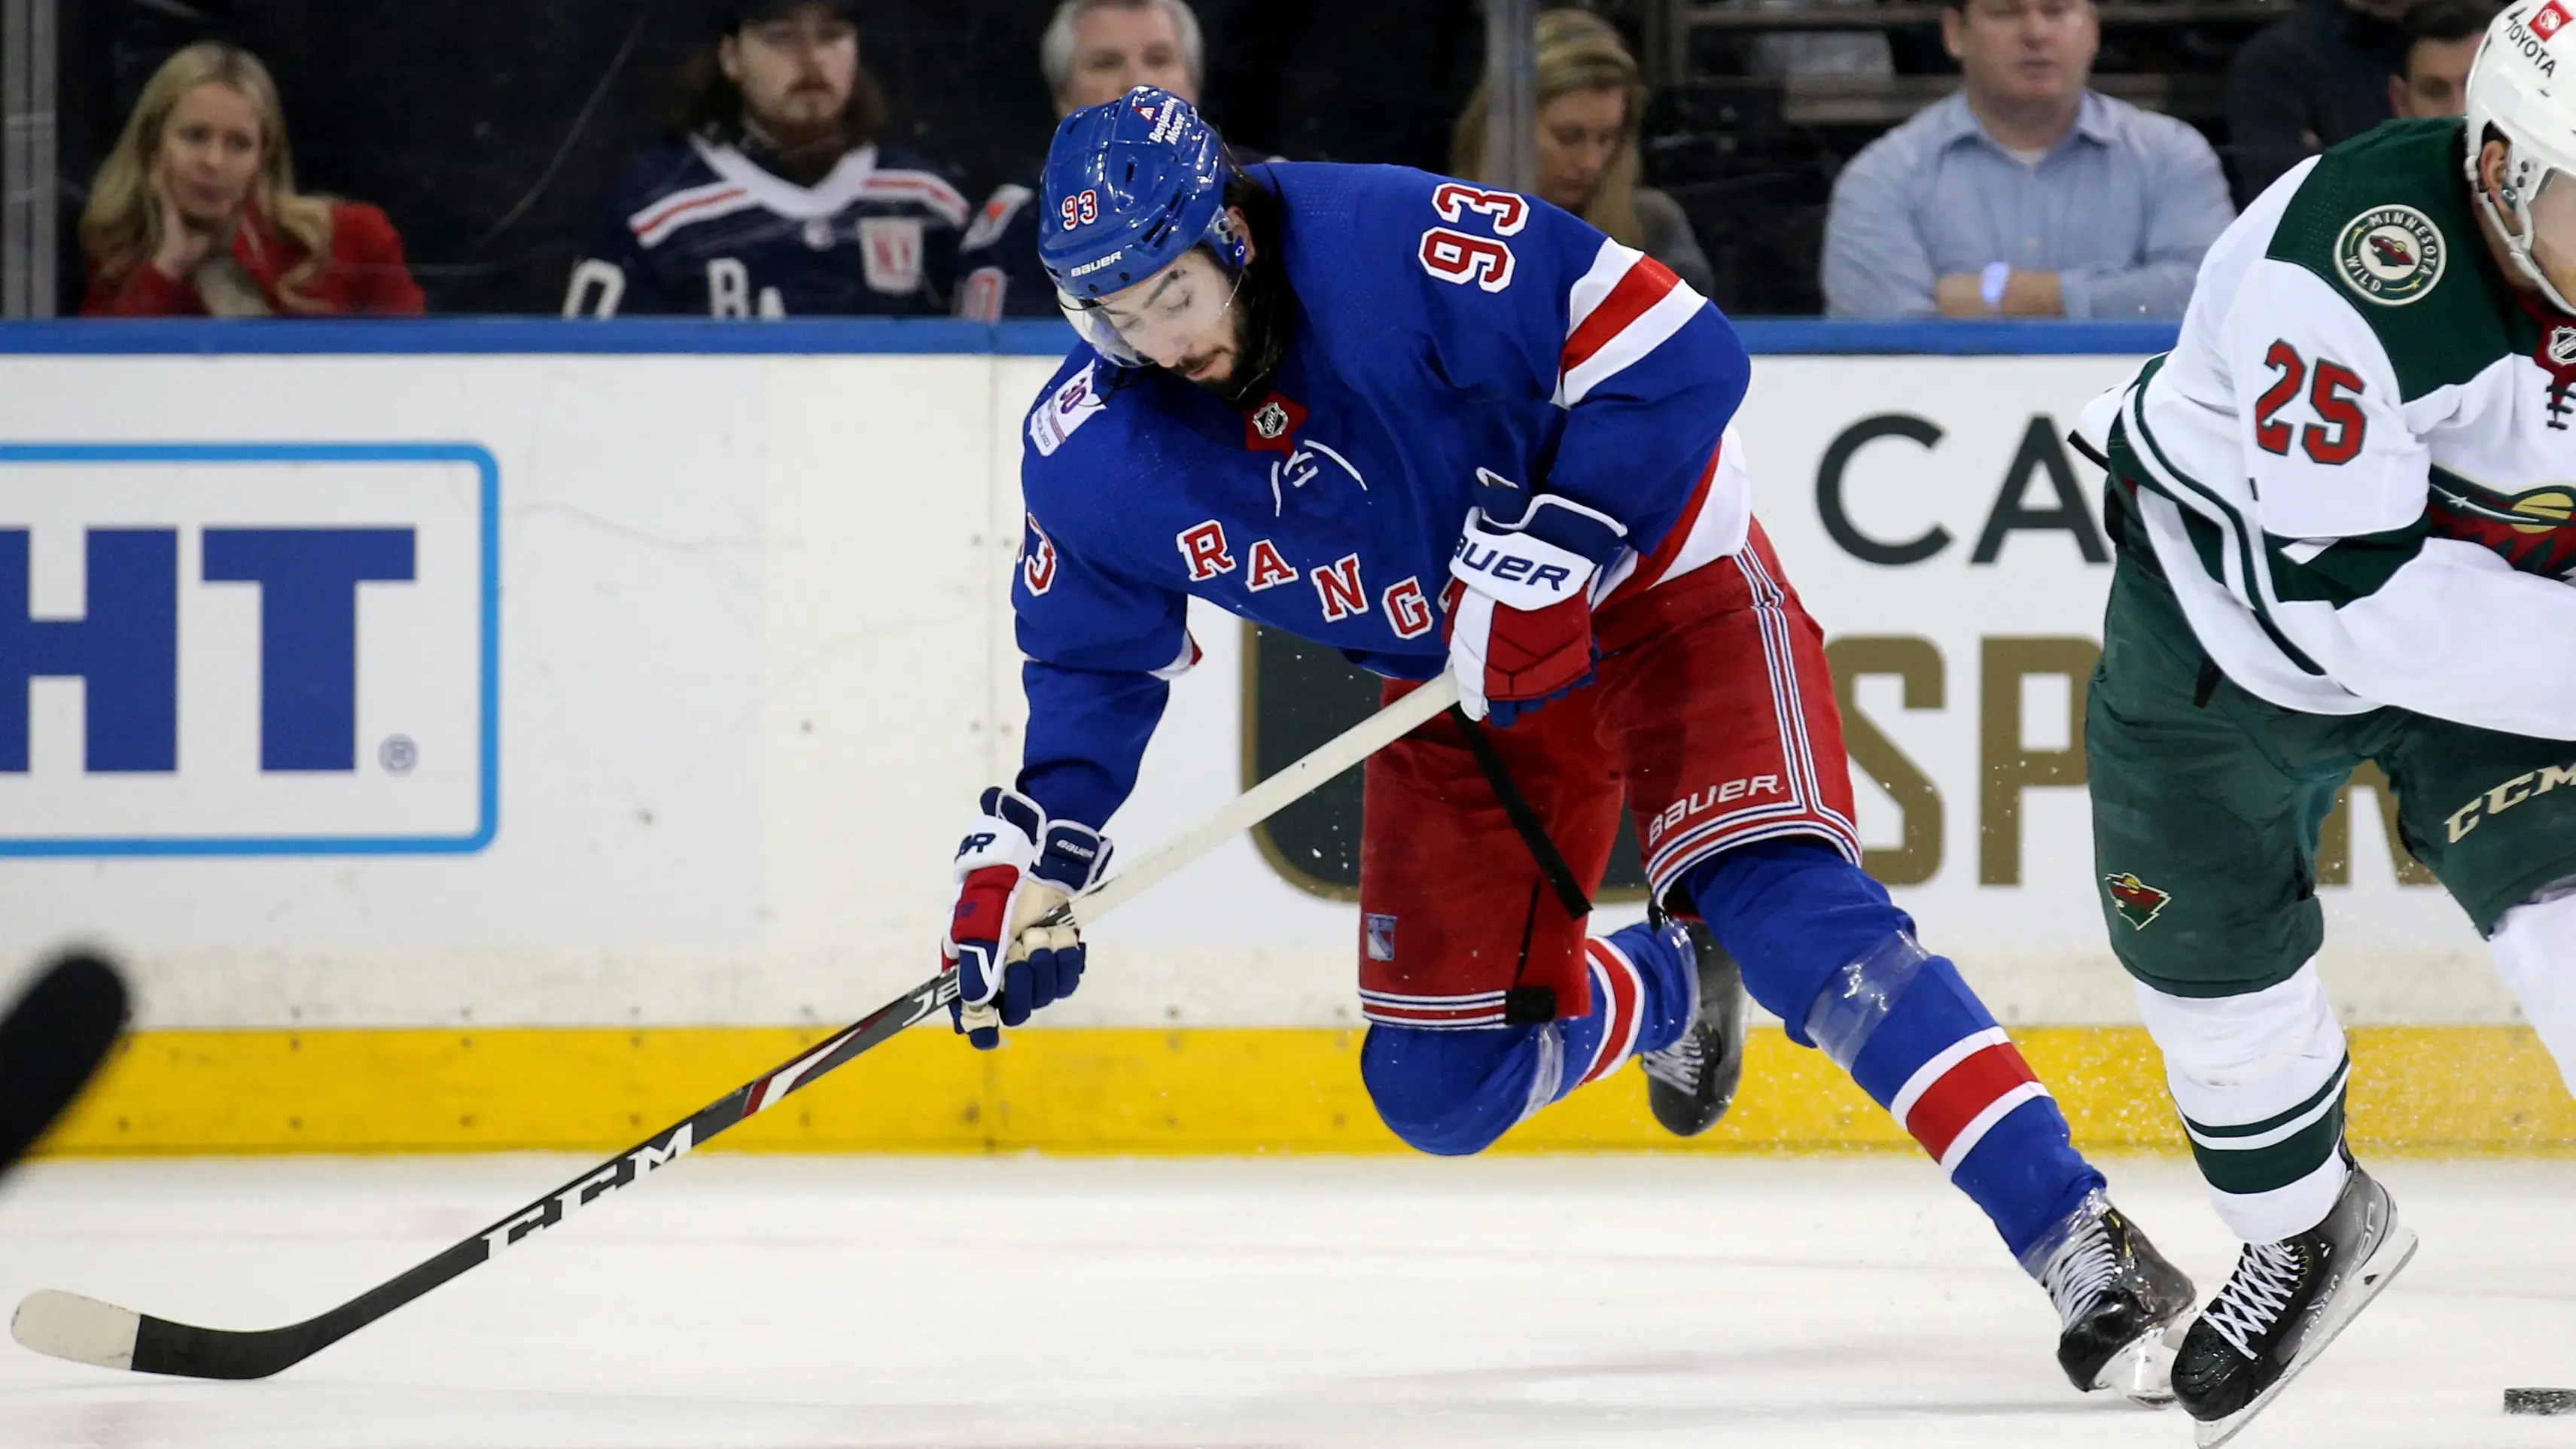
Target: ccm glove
1519 605
1013 870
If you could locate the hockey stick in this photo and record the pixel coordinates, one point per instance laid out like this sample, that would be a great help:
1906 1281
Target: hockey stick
85 1330
52 1042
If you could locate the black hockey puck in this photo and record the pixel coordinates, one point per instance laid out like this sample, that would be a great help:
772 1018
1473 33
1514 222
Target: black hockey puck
2540 1401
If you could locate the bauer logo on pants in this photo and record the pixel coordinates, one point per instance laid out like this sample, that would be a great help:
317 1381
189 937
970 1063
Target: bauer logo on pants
248 649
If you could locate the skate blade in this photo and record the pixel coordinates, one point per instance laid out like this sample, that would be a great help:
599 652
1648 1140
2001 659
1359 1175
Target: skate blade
2376 1274
2142 1373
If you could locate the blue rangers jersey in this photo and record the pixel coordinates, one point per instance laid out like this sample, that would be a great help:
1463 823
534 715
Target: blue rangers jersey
1454 347
698 228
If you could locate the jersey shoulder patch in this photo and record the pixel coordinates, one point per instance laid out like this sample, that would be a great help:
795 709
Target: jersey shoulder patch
2384 219
994 219
1074 402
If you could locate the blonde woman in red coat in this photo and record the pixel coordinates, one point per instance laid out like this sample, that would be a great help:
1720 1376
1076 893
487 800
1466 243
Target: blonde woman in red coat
195 213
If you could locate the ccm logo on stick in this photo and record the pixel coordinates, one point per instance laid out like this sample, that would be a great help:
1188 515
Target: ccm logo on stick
248 649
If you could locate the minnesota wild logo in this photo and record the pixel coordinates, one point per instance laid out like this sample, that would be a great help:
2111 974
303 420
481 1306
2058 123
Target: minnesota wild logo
2390 254
2137 902
2535 530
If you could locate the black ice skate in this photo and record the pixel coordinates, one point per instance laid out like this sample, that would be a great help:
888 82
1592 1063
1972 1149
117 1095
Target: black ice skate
2119 1303
1691 1083
2284 1304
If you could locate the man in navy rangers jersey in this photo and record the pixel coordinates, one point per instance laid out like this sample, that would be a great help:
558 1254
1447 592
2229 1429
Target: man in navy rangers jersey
1441 427
776 199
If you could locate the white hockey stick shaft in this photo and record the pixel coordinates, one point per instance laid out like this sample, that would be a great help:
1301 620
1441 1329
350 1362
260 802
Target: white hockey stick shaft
1271 796
1301 778
1292 784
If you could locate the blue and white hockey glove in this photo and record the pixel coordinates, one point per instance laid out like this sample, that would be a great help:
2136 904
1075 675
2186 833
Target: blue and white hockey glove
1519 605
1013 870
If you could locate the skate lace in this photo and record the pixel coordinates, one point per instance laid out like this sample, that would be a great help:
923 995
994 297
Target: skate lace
2081 1272
2255 1294
1681 1065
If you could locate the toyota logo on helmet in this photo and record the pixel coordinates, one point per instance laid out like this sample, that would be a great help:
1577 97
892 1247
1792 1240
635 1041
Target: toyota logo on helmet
2516 93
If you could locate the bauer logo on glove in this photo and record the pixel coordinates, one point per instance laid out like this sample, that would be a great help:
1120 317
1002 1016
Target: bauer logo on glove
1519 605
1015 870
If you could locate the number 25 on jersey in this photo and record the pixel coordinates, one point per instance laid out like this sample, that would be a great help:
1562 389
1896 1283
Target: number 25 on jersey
2335 438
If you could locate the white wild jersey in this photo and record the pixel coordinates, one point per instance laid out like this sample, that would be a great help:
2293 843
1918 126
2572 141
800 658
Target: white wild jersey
2358 464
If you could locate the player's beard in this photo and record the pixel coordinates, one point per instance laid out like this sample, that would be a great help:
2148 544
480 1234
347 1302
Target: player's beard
1230 385
1258 318
804 147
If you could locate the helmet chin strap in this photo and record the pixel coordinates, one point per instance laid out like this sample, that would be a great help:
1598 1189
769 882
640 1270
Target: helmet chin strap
2519 231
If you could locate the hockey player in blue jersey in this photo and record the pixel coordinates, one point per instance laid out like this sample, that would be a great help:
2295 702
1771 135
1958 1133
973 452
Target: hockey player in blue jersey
777 199
1447 428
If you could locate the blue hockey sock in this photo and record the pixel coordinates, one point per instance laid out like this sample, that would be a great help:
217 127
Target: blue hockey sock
1645 984
1457 1092
1821 945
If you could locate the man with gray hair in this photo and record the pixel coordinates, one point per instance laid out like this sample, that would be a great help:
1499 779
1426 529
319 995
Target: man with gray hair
1095 51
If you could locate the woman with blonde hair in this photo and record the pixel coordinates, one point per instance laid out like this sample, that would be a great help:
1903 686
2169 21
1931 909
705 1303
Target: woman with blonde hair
195 213
1591 101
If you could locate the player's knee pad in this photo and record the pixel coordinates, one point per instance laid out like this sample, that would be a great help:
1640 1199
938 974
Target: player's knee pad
2534 947
2259 1081
2233 1060
1454 1093
1797 917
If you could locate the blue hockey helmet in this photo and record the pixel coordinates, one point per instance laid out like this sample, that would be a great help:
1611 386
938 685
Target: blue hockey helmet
1130 187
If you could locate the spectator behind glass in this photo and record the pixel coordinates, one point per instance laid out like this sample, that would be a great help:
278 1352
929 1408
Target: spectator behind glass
775 198
1094 52
2441 39
195 213
2023 193
2315 78
1590 103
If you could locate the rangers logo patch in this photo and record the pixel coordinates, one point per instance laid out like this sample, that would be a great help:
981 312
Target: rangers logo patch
890 253
2137 902
1381 937
2390 255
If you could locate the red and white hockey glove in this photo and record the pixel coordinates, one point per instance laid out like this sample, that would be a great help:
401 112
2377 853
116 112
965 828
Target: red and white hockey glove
1013 870
1519 605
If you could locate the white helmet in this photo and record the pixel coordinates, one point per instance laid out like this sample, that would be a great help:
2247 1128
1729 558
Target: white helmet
2515 87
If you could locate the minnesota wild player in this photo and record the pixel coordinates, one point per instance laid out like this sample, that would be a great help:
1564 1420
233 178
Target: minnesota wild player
2343 509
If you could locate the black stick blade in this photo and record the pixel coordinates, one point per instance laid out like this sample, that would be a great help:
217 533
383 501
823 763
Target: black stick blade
84 1330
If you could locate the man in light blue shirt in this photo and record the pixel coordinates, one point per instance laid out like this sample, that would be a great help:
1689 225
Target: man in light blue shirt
2024 193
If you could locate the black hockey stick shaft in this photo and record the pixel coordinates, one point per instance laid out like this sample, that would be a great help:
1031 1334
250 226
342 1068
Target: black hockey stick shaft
69 1326
164 1347
51 1044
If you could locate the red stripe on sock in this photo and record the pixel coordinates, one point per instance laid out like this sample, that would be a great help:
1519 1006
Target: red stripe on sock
1619 1013
1947 1106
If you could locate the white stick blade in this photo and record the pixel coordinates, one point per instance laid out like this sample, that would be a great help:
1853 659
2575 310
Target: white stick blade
84 1330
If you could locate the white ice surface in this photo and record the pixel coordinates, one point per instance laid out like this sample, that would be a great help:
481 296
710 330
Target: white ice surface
812 1304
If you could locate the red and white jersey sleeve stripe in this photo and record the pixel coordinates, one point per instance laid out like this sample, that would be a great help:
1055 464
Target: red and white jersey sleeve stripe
655 223
1624 307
